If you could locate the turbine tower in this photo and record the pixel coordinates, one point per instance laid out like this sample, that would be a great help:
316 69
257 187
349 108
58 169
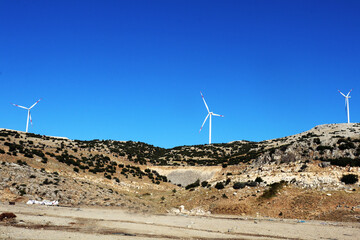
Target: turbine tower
347 104
28 115
209 114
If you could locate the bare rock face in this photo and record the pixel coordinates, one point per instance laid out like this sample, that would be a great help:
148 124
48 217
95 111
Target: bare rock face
187 176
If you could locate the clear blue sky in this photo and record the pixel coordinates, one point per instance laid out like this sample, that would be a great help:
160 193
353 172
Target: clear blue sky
133 70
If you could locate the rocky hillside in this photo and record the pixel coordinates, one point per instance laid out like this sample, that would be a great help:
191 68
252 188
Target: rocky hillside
140 176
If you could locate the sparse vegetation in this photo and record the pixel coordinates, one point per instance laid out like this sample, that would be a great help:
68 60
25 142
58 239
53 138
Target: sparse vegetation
132 163
350 179
21 163
343 162
273 190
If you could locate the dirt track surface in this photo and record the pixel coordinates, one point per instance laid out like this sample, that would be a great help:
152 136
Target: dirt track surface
42 222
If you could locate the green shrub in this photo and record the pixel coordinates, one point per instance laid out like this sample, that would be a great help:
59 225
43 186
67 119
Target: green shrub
350 178
273 190
259 180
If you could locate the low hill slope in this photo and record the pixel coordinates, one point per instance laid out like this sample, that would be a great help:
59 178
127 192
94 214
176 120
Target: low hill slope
221 178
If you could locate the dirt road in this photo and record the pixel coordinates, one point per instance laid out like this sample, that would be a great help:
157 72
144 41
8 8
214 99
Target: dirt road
46 222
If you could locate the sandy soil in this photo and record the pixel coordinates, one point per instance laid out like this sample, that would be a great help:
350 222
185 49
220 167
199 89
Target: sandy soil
46 222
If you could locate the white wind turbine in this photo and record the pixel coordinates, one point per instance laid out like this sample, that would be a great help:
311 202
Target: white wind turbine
28 115
209 114
347 104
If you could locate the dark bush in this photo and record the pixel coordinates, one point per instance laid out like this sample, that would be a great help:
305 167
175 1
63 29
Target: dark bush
204 183
350 178
273 190
38 153
251 184
219 185
7 215
347 145
227 181
22 192
303 167
239 185
323 148
47 182
284 147
76 169
21 163
259 180
193 185
343 162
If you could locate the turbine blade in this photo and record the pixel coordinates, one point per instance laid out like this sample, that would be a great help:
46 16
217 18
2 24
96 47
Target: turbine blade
204 122
35 103
341 93
218 115
19 106
348 93
205 102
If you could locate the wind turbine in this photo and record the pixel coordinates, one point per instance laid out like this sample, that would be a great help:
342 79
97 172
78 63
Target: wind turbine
347 104
209 114
28 115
